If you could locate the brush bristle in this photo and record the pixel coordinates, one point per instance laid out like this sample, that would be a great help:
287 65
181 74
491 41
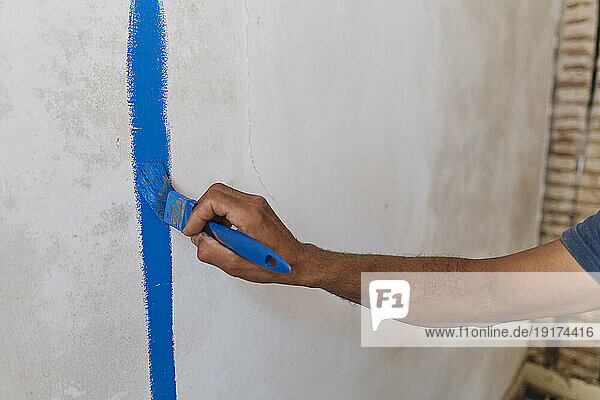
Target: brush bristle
154 185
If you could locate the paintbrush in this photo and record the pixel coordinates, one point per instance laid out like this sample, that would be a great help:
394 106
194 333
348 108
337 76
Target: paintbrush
175 209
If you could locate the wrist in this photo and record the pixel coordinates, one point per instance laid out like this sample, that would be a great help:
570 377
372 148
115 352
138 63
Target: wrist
309 265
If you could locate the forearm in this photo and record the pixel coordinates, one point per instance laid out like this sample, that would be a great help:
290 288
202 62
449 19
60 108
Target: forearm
340 273
455 299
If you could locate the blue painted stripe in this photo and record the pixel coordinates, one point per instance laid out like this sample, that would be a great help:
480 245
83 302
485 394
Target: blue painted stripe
147 79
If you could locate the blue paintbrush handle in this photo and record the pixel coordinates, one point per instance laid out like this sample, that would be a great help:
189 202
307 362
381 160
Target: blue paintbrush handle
247 247
178 209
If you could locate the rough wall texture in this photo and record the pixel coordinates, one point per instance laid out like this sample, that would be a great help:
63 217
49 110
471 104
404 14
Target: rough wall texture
404 127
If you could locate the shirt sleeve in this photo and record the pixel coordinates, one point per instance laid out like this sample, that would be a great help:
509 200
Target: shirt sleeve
583 242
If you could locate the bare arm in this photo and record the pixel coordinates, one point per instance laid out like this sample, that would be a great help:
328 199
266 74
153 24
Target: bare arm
540 282
510 297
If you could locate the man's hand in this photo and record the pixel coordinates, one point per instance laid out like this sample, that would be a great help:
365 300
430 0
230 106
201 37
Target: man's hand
253 216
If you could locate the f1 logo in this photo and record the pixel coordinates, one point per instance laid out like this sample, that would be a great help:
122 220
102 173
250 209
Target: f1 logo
389 300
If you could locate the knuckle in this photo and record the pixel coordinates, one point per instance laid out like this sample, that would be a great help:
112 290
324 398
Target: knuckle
217 186
216 195
201 253
260 200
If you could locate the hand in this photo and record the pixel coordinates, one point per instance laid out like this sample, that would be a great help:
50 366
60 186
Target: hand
253 216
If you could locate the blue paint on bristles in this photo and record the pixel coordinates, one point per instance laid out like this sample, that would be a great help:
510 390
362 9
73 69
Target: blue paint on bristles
155 187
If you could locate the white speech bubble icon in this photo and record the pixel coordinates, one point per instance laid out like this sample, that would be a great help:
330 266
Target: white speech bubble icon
389 300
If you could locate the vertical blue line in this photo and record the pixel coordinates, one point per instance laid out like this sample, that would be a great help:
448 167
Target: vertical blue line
147 82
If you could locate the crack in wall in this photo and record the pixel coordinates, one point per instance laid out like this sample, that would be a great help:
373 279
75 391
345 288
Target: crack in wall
250 151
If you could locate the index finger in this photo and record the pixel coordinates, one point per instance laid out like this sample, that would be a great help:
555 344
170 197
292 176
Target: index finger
211 204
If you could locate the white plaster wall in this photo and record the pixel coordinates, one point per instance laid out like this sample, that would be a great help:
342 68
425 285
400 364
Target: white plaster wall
403 127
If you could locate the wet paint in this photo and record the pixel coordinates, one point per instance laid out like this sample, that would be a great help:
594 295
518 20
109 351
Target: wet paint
147 84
